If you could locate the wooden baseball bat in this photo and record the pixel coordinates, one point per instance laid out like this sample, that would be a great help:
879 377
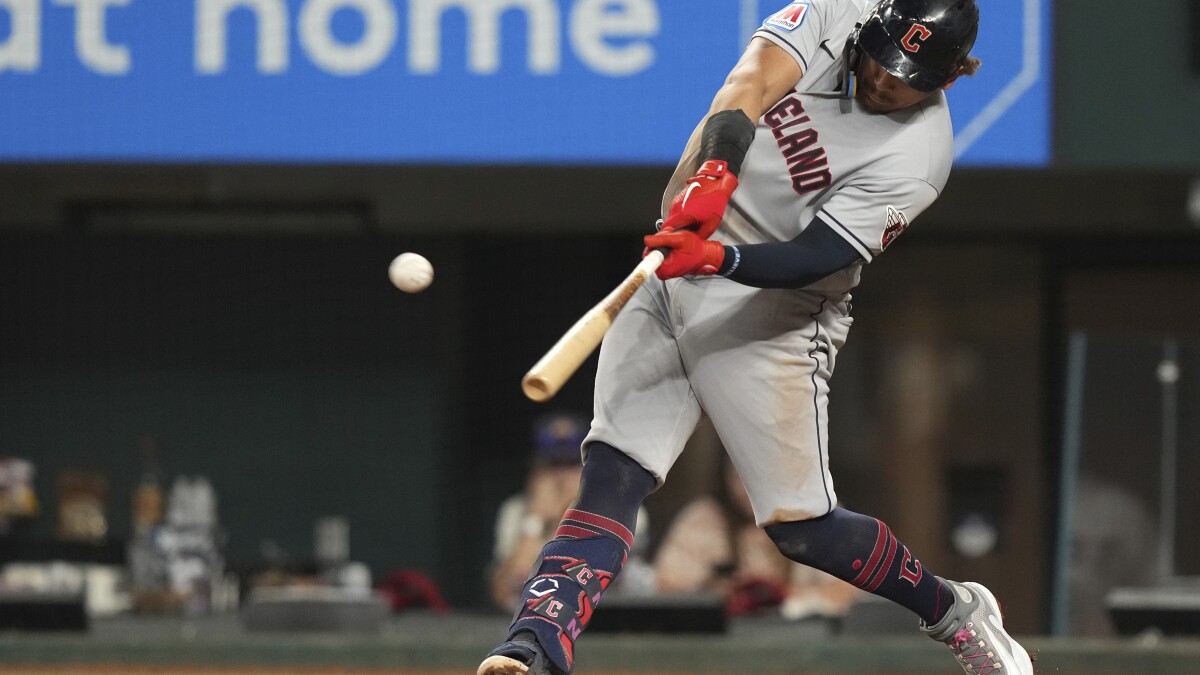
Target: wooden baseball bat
557 366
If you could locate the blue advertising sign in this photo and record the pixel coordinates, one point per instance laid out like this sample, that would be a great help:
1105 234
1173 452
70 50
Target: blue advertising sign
427 81
1002 114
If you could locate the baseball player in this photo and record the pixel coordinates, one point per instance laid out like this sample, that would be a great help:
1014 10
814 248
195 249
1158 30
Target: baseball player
829 136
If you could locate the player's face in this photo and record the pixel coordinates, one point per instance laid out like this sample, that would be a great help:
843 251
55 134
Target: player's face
881 92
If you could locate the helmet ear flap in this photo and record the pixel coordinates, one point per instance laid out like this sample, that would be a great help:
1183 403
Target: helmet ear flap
853 51
851 56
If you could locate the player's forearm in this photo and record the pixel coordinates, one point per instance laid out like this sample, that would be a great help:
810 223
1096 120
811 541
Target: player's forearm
739 93
699 148
812 256
763 75
746 94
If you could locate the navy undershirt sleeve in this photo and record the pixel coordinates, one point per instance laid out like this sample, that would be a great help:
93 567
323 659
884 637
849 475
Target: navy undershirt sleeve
814 255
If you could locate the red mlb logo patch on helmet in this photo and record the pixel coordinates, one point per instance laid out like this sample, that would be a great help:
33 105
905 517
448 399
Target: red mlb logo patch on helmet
790 17
896 224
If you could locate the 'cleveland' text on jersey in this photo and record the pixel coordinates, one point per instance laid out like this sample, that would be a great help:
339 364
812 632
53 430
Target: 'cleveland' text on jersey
807 164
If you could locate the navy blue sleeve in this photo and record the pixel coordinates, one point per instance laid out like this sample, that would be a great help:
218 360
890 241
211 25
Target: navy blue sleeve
814 255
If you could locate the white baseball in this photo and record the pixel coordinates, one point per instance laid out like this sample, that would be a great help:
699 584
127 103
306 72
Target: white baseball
411 272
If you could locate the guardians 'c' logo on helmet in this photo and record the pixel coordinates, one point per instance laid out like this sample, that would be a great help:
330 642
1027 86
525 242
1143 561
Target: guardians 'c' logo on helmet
915 36
921 42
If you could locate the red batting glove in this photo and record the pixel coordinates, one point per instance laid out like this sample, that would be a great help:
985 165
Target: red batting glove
687 253
700 205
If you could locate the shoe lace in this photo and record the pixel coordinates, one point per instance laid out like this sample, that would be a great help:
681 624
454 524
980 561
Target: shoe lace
972 651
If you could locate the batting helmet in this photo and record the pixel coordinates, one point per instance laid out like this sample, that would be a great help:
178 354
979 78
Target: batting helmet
922 42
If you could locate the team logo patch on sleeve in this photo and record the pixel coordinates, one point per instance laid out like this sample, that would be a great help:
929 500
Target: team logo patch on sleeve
896 224
791 17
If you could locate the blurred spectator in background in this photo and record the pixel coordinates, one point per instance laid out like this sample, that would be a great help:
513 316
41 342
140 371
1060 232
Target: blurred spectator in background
714 545
18 503
527 520
82 499
1114 542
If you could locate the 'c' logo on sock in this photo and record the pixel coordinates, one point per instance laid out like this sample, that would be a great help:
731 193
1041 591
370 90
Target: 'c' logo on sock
912 576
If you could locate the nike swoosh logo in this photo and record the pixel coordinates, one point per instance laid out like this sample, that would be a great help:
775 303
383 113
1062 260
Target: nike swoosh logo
687 194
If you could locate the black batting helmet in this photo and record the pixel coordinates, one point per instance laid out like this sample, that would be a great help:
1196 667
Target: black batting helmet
922 42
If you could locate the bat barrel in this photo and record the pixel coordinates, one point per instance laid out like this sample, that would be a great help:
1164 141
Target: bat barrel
553 370
538 388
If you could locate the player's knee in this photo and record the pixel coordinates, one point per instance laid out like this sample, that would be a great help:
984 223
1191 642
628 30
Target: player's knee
791 539
800 539
616 474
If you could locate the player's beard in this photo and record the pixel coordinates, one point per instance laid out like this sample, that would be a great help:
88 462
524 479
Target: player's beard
868 96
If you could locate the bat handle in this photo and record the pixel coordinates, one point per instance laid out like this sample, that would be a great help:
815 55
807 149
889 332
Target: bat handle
651 262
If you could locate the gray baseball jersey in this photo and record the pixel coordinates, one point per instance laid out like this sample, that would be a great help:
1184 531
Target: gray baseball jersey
818 152
758 361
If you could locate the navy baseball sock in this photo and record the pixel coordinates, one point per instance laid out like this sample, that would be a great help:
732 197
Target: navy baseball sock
588 550
863 551
613 485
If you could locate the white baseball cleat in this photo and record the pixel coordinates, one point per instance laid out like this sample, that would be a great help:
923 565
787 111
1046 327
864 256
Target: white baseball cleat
519 655
502 665
974 631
